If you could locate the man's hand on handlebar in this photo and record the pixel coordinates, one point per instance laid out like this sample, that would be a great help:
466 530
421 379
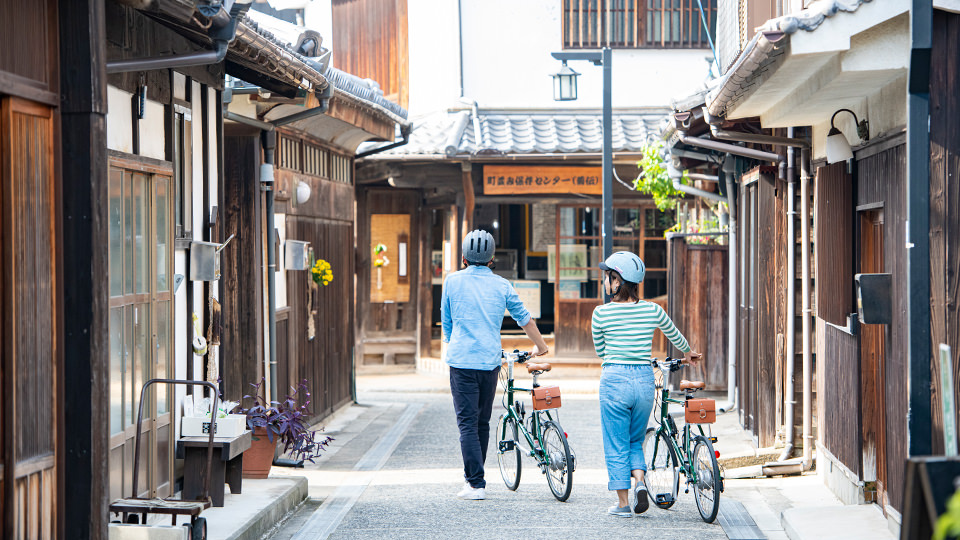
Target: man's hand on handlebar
692 357
537 352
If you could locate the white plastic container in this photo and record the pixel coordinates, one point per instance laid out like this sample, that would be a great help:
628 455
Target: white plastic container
232 426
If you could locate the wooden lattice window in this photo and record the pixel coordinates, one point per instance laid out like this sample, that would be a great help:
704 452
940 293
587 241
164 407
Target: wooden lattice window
288 154
676 24
341 169
316 160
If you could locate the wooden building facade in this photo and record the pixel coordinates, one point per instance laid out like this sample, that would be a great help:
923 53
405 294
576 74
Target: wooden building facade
860 371
52 262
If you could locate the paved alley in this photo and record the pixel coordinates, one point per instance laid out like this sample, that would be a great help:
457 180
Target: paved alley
413 494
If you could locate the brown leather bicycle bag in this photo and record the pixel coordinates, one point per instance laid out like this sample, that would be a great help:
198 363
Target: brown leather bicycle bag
700 411
546 397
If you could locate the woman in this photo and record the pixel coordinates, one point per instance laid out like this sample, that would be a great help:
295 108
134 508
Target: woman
623 335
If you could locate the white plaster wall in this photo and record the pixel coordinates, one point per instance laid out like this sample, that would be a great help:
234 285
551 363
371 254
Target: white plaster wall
152 135
885 109
507 62
119 133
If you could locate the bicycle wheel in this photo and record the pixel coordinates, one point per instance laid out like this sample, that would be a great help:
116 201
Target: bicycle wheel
662 477
508 451
708 486
559 467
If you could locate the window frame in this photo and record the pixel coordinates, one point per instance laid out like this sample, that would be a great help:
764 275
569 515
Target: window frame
687 14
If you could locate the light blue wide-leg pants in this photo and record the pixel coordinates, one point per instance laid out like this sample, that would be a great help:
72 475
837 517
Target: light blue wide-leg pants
626 399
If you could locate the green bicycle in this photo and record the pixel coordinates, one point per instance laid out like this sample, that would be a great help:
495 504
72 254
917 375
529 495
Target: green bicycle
667 455
539 432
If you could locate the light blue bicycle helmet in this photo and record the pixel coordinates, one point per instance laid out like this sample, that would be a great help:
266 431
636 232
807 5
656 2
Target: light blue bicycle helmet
627 264
478 247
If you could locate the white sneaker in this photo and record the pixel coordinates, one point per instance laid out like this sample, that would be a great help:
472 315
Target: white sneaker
474 494
466 488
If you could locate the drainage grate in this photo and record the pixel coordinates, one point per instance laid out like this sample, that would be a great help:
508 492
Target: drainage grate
736 521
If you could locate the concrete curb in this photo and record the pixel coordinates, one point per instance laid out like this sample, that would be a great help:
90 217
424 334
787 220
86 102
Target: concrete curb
266 518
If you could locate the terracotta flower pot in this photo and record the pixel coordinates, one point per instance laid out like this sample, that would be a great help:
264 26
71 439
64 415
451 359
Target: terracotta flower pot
258 459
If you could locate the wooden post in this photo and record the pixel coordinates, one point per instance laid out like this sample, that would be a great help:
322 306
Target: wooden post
468 198
83 482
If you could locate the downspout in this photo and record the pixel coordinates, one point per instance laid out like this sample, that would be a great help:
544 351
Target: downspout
199 58
727 170
309 113
728 148
790 391
676 174
269 140
405 138
805 312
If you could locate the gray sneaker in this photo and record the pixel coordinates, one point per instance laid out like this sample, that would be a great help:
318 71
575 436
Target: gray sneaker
640 501
620 511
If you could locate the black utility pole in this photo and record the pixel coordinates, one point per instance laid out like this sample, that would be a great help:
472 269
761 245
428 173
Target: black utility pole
919 426
603 57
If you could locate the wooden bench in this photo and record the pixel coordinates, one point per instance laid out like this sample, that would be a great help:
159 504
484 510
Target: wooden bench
227 466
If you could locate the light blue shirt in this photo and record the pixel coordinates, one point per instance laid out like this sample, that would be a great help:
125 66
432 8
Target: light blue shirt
471 310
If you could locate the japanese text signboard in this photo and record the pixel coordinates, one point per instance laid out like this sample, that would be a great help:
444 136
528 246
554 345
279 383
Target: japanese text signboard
523 179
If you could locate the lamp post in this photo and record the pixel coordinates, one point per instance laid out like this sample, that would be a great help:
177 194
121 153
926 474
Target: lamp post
603 58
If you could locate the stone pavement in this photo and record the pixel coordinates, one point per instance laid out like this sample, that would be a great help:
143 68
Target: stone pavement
394 469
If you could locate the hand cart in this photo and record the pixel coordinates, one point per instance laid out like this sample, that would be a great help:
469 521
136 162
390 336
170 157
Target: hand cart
133 506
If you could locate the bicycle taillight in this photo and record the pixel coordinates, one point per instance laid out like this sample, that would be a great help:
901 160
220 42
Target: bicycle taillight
717 452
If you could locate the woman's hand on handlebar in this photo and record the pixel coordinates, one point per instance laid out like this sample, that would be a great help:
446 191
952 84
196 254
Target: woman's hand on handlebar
692 357
537 352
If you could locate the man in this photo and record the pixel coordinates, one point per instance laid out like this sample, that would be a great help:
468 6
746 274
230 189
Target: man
471 308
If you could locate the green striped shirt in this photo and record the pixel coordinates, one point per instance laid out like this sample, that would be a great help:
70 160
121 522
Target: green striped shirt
623 333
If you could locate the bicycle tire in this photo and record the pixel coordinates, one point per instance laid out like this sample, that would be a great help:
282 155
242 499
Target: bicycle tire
709 484
509 460
559 466
662 477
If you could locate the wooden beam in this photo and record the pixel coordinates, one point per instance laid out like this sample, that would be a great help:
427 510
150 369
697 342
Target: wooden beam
83 483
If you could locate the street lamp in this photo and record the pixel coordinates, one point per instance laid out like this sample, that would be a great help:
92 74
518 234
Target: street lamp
603 57
565 84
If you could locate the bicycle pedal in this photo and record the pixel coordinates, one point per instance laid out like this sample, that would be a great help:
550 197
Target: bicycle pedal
664 498
507 446
713 439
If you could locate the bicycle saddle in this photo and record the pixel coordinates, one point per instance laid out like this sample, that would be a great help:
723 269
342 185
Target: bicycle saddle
691 385
538 367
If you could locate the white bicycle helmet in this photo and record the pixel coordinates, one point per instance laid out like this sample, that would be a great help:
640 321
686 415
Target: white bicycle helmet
478 247
627 264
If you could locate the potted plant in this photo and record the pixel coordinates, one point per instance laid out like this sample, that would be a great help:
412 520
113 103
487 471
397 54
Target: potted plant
283 422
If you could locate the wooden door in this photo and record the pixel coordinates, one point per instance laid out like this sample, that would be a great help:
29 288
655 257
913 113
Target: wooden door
28 406
141 314
872 355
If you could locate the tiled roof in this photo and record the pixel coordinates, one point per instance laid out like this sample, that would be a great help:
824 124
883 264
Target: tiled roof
454 133
285 36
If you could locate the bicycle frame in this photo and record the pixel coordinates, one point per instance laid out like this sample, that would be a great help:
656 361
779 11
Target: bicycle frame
669 426
535 439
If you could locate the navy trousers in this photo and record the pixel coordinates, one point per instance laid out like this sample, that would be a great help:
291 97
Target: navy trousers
473 393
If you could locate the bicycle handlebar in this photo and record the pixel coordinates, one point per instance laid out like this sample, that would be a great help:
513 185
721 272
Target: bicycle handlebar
517 355
673 364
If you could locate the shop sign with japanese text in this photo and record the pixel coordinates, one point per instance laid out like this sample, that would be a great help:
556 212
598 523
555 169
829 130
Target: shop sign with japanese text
522 179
